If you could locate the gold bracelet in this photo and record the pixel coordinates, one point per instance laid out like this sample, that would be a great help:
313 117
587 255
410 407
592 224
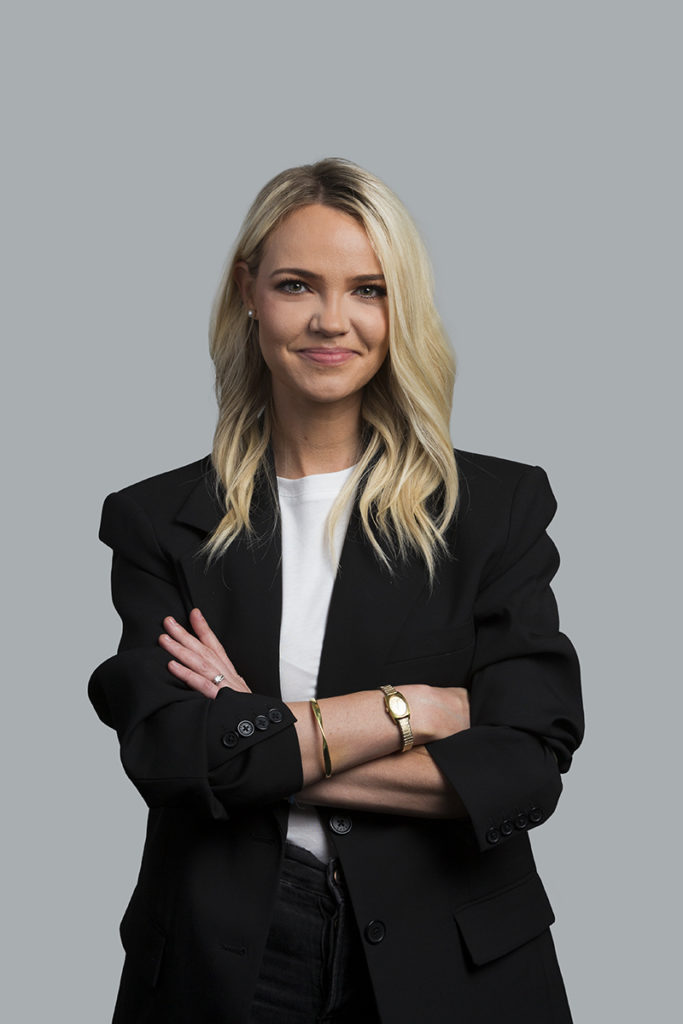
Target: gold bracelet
327 764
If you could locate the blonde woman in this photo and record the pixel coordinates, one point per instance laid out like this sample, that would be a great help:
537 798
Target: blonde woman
341 686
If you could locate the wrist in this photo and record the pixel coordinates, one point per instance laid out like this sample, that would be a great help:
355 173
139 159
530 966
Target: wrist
421 708
398 709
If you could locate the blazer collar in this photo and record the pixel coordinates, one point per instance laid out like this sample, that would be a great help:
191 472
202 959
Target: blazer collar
204 506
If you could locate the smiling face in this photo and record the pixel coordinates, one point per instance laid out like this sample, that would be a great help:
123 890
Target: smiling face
320 302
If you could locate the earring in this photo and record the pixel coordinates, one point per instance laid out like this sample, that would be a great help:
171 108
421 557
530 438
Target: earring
250 314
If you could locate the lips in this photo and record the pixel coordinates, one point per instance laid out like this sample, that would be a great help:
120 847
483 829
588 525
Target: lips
327 356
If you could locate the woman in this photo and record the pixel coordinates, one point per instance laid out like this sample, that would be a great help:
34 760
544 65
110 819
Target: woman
341 688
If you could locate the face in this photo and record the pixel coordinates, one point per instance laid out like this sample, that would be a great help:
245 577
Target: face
320 300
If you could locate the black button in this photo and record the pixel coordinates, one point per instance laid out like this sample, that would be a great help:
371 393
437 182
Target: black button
375 931
261 722
493 836
245 728
535 815
521 821
340 824
275 715
229 739
506 827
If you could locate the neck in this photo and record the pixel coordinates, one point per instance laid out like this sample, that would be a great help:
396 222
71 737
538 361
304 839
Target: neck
320 440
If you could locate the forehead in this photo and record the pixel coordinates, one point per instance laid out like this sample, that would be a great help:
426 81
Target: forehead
318 237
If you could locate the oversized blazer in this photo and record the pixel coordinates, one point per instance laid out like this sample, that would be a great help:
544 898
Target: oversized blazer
452 915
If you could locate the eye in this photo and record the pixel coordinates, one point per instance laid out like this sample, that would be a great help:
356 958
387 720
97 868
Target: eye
292 286
371 291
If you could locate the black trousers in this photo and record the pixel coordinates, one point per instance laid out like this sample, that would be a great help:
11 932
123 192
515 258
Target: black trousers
314 969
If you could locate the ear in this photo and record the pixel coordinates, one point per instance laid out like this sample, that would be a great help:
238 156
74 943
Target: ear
245 280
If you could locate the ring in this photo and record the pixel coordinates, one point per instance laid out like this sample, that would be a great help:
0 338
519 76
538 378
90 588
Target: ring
218 679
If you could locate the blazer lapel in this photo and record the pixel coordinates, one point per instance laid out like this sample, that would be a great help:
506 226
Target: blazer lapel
367 609
240 594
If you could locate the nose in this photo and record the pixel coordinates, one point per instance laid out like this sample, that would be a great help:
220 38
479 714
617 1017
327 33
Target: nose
331 317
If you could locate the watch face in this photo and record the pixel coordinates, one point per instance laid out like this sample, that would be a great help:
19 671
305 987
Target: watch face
397 705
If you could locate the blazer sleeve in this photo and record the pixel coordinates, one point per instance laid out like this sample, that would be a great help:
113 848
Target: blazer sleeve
525 699
178 747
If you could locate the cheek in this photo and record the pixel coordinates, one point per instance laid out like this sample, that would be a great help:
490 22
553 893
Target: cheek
279 322
373 325
380 333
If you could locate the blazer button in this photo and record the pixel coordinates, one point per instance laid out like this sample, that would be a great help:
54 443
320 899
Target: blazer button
261 722
375 932
535 815
229 739
340 824
506 828
245 728
521 821
275 715
493 836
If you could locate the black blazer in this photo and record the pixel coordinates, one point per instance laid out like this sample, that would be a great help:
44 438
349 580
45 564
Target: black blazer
464 914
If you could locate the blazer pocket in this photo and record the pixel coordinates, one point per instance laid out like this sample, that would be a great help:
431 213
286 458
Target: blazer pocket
436 643
143 940
497 924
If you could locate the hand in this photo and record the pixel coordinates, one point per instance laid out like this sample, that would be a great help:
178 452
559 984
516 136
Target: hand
199 659
437 711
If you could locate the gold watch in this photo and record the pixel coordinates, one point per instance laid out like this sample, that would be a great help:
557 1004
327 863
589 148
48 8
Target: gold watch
397 708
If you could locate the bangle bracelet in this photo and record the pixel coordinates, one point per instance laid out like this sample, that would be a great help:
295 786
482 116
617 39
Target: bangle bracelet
327 764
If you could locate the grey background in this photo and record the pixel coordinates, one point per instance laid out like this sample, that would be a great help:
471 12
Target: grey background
538 146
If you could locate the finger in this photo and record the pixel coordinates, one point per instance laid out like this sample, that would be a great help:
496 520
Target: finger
202 662
193 680
209 639
182 635
207 635
212 650
197 682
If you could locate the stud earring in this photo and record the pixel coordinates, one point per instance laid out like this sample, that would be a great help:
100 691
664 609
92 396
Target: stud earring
250 314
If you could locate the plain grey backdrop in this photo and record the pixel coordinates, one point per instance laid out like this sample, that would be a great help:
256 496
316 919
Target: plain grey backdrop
538 146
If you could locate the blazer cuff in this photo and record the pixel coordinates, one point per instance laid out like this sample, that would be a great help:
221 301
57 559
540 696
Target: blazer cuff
243 767
507 779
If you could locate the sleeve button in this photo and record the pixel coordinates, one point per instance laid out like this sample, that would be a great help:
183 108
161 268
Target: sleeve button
261 722
493 836
535 815
229 739
506 827
275 715
245 728
521 821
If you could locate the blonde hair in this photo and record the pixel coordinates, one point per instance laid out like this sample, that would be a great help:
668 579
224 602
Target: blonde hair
406 478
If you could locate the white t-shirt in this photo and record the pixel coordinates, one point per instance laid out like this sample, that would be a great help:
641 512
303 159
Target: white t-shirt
308 571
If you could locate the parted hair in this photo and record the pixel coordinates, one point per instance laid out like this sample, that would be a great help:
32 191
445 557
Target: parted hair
405 479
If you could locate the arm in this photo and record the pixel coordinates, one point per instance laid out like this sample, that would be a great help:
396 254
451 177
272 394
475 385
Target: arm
179 748
503 772
359 732
526 710
409 783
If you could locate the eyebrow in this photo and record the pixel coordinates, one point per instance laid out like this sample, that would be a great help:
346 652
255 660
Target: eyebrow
300 272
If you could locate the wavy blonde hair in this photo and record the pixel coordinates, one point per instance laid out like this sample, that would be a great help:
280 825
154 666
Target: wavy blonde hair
406 479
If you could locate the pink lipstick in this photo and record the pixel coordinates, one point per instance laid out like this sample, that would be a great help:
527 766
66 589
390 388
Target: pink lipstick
327 356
